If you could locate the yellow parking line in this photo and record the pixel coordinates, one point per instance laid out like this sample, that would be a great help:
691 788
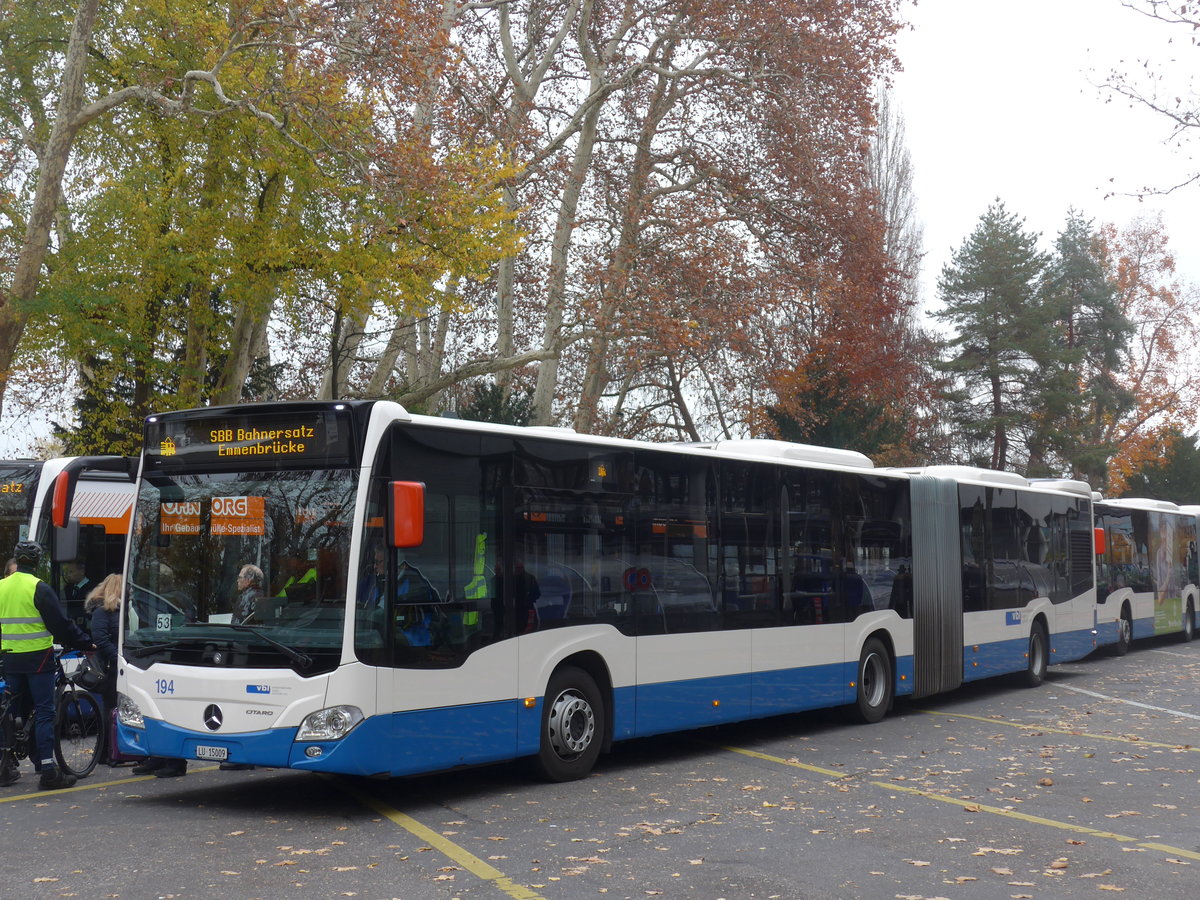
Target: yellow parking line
85 785
1084 734
794 763
972 806
460 855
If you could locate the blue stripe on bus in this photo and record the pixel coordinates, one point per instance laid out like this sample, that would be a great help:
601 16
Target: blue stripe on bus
428 740
270 747
1074 645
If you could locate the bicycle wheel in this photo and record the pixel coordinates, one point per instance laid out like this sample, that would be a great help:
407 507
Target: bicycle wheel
78 733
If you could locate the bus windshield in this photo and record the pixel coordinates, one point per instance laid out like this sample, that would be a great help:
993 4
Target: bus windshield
240 569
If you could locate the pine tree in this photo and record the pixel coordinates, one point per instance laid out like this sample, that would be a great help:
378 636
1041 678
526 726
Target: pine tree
1079 386
992 296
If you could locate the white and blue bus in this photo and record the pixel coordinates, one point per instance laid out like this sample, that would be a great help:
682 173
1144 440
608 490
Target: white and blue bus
1146 567
425 593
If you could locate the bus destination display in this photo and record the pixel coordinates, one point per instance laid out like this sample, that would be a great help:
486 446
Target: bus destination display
283 437
262 442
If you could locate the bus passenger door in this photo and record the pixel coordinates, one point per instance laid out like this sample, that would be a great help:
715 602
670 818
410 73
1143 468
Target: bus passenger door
446 675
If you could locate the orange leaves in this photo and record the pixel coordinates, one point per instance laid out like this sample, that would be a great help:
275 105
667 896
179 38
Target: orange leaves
1166 316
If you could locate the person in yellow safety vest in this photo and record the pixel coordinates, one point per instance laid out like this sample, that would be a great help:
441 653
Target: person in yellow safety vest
297 573
31 620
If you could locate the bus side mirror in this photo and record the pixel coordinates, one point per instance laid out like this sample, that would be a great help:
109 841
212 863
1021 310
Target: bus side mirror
60 498
1101 541
64 542
406 513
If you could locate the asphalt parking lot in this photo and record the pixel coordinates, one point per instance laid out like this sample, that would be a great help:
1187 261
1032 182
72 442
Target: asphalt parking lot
1085 787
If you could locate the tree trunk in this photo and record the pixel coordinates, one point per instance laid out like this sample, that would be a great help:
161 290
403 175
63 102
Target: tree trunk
46 200
556 287
596 376
253 313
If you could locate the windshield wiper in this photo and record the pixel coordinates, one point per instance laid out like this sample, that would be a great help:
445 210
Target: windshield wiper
154 648
303 660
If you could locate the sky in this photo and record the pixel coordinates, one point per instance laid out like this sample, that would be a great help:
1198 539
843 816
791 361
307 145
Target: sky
1001 98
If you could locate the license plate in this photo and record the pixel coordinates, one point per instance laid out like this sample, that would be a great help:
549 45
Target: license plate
220 753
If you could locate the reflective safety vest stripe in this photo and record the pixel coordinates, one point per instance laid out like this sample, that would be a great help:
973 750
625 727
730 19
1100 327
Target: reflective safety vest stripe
21 624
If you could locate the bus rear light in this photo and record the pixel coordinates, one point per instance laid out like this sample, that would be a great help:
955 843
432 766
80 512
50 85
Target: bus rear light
1101 541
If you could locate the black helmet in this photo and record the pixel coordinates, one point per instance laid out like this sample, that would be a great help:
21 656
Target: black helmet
27 552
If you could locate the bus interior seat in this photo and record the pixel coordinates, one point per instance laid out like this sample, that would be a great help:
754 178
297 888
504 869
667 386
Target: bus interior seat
302 594
267 609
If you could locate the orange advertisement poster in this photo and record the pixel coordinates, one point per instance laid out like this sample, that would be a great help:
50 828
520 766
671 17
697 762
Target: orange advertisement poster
238 515
179 518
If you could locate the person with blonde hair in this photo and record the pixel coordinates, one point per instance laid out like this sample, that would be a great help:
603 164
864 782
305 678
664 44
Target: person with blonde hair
103 604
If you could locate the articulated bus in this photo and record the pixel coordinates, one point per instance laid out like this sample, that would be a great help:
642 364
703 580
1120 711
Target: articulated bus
85 545
1147 571
345 587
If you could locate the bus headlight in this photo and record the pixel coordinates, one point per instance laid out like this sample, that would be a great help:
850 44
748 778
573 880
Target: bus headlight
330 724
129 713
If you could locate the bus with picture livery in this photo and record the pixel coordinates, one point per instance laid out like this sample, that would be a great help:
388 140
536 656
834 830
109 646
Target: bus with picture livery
347 587
1146 568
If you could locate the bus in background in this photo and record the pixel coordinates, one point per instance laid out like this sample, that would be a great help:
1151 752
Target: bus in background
346 587
1147 571
92 498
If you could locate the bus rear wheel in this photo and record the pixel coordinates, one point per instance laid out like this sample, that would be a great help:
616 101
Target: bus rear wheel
1039 648
1124 633
875 684
572 730
1189 622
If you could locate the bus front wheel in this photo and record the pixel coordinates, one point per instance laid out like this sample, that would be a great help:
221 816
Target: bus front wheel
875 686
1189 622
1039 648
572 730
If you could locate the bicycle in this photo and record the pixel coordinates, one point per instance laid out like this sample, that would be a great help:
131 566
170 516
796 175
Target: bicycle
79 726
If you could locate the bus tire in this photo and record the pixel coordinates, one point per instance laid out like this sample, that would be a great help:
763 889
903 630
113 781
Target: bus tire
1124 633
875 682
572 730
1189 622
1039 655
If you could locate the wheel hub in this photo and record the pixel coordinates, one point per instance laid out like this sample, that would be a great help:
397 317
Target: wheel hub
572 724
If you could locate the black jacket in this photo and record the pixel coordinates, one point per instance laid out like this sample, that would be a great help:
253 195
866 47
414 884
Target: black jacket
104 630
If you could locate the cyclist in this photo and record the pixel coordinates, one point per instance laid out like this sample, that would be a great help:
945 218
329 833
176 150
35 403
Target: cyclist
31 619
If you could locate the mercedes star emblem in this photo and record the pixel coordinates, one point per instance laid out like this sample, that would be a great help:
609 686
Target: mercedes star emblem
212 717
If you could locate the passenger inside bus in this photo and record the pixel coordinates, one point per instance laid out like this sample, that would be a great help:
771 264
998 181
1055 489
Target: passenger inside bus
525 594
249 592
301 583
76 587
372 587
416 618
